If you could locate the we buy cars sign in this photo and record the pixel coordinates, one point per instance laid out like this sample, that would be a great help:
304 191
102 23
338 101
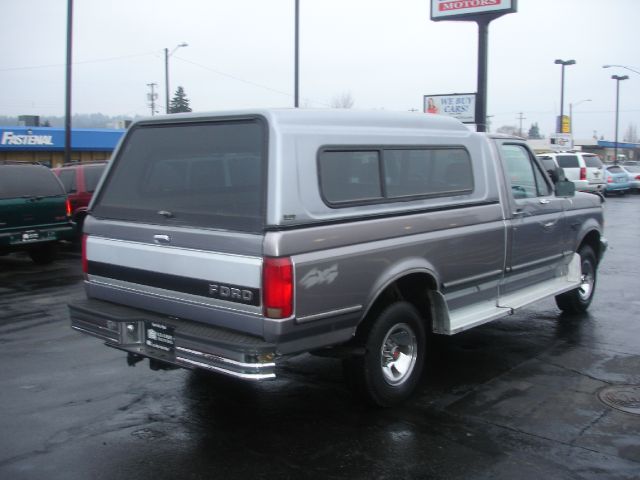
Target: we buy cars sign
454 9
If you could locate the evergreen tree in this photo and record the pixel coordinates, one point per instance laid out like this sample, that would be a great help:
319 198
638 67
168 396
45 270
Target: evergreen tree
534 132
179 102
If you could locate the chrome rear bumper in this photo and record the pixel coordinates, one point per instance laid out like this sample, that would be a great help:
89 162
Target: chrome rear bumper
175 341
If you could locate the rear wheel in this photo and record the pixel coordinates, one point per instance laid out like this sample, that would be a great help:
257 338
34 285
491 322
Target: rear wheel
578 300
394 345
43 254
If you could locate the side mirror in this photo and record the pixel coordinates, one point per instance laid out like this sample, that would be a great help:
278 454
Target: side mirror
565 188
557 174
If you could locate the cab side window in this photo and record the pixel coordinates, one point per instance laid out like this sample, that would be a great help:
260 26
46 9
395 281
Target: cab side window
527 181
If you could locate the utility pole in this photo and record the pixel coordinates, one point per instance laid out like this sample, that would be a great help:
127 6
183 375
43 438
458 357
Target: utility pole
152 97
67 108
296 60
521 118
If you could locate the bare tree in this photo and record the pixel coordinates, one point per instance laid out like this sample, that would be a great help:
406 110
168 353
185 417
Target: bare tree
631 134
343 100
509 130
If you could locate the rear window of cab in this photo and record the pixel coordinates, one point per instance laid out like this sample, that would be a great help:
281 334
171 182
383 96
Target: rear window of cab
362 175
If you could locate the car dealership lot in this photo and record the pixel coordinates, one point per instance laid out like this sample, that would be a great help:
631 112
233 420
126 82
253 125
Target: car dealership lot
515 398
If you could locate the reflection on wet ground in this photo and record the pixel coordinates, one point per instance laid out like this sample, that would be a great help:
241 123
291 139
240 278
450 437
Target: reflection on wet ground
515 398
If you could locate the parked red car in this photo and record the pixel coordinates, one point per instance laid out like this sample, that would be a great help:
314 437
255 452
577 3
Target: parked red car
80 181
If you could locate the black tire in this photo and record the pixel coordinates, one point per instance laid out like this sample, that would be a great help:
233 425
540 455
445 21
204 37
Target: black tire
579 299
44 254
394 345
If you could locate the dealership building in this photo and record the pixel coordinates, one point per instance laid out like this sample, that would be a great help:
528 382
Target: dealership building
45 145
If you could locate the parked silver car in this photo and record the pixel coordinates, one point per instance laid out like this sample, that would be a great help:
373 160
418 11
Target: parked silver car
633 171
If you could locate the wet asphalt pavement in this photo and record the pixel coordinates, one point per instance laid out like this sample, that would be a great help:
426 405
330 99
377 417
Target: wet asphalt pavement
514 399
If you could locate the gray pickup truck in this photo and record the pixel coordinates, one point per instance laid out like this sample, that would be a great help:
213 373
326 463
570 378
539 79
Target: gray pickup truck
226 242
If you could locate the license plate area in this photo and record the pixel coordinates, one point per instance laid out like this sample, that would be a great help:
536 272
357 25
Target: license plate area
159 336
30 236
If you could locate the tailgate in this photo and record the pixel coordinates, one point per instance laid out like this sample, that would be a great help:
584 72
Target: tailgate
32 212
186 277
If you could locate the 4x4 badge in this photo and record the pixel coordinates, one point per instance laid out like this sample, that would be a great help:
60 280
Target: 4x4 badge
318 277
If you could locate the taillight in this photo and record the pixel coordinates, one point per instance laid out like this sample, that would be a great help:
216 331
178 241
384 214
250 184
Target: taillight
85 262
277 287
637 177
609 179
68 208
583 173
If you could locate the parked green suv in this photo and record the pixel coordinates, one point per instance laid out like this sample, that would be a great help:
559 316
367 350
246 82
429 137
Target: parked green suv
34 211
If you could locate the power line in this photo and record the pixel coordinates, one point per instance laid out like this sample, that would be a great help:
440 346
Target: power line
54 65
248 82
550 112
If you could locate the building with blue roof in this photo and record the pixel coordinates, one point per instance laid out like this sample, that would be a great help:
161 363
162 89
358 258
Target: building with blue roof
46 144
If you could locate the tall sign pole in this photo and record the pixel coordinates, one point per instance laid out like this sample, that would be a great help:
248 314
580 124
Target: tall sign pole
483 67
482 12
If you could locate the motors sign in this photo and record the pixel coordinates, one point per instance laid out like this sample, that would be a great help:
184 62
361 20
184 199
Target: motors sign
454 9
457 105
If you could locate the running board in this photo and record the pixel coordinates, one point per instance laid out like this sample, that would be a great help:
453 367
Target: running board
452 322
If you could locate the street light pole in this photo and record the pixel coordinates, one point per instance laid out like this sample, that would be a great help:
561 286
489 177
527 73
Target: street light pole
166 72
622 66
564 63
571 113
617 78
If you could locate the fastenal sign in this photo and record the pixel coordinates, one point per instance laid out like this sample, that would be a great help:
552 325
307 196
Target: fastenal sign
457 105
12 138
452 9
52 139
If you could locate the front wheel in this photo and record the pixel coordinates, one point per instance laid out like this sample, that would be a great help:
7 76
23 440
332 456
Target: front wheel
579 299
394 345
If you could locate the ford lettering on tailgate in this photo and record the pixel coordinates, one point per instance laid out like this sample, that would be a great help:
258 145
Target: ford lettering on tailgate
234 293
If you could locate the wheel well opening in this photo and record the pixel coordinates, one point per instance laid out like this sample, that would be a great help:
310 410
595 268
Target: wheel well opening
411 288
592 239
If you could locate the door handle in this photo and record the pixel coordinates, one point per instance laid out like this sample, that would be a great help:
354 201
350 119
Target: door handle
544 201
162 239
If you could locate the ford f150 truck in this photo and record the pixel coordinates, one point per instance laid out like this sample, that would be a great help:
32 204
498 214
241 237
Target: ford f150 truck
228 241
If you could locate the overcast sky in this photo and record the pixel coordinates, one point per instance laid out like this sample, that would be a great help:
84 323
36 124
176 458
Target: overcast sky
386 54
